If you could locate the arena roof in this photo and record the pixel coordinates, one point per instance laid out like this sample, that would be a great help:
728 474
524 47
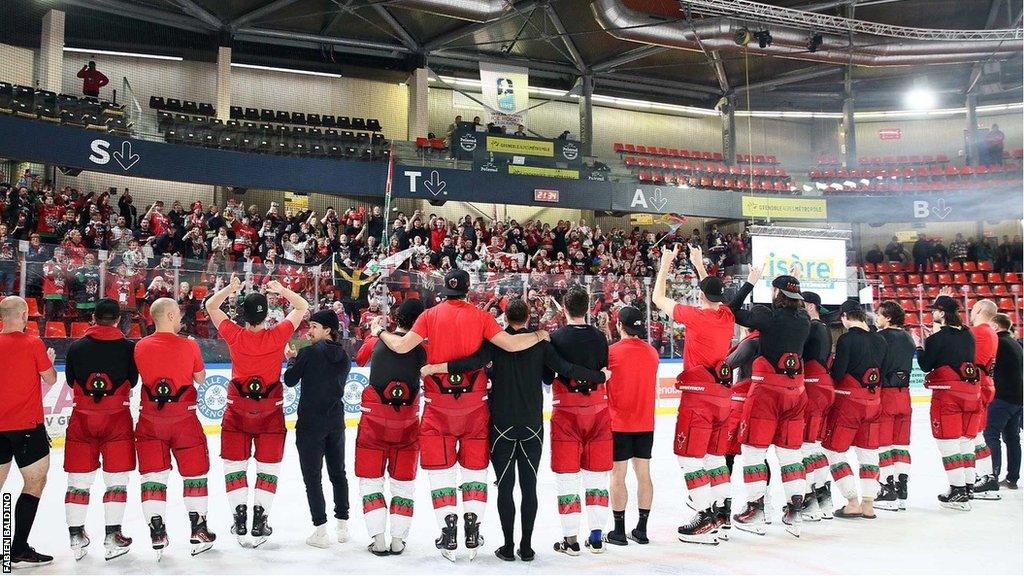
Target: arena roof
649 49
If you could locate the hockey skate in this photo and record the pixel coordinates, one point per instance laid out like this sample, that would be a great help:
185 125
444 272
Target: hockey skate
811 512
702 529
987 489
115 543
239 526
202 539
824 496
901 490
474 540
723 518
751 519
79 541
261 529
567 547
955 499
886 499
158 535
792 517
448 542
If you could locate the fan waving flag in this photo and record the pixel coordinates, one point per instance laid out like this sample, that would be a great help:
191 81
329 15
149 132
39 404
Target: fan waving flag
674 222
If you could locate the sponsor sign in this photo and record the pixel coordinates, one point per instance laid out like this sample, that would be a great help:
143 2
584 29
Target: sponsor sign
541 171
890 134
505 92
521 146
796 208
822 265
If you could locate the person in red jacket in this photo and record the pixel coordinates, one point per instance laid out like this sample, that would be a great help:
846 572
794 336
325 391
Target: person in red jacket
92 79
986 486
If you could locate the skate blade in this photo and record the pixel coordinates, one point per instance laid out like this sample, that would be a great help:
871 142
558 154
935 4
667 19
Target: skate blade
448 554
159 553
79 552
987 496
705 539
828 516
793 529
723 536
116 552
888 506
259 541
201 547
811 517
243 541
961 506
759 529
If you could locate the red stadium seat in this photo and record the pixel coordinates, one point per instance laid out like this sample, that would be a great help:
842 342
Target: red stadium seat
33 308
1000 290
985 291
32 328
629 148
928 278
1005 304
926 318
899 279
78 329
955 266
1011 278
869 268
618 147
959 278
931 292
55 330
134 332
422 142
985 265
970 266
909 305
913 279
944 278
904 293
937 267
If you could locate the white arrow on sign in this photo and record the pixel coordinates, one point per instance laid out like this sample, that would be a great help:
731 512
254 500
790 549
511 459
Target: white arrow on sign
940 209
125 157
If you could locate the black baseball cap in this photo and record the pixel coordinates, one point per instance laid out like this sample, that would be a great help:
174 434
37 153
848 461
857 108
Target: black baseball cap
946 304
850 305
814 298
713 288
106 310
456 283
632 321
408 312
254 308
789 286
326 318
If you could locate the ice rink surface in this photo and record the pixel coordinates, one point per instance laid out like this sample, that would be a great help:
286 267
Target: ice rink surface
923 540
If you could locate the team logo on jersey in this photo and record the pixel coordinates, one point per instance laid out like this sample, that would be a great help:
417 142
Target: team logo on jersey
354 392
213 397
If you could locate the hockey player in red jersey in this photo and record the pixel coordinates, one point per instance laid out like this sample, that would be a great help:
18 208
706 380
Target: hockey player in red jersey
455 425
100 369
168 366
254 417
701 437
985 485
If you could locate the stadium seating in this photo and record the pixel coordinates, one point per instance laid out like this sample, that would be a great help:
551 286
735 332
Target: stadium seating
27 102
703 169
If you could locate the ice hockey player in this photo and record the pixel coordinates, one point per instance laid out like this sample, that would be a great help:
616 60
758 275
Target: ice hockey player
100 369
254 417
455 424
388 437
820 394
852 420
947 357
169 366
986 341
773 413
701 435
894 416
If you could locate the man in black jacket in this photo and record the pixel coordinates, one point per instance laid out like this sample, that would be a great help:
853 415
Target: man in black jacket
1004 413
516 403
323 369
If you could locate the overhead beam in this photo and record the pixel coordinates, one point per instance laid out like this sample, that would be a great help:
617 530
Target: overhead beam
669 84
577 58
485 57
632 55
470 29
716 63
318 39
311 45
791 77
403 35
260 12
138 12
201 13
979 67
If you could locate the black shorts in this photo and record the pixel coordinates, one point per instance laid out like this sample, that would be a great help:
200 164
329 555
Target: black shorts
26 447
632 445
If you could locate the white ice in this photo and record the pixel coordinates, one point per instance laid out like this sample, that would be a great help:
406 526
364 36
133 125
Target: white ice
923 540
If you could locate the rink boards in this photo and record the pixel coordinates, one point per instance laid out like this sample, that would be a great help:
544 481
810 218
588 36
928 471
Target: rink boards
212 397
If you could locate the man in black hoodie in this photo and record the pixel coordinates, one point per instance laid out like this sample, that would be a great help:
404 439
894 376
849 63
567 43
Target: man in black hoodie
323 368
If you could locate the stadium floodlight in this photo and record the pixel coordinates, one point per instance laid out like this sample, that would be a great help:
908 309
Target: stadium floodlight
126 54
764 39
288 70
920 99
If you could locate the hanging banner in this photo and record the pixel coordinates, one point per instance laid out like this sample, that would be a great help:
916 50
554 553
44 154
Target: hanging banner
506 94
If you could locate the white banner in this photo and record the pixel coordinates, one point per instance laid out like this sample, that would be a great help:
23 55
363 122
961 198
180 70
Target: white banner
506 94
822 265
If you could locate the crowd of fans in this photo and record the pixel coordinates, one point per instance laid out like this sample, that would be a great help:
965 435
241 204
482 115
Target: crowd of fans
85 245
1006 255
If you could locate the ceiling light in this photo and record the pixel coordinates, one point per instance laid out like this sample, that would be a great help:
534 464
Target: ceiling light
743 37
127 54
814 43
920 99
764 38
288 70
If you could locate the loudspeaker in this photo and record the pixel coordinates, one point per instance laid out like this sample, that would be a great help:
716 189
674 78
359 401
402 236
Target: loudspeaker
69 171
437 202
238 190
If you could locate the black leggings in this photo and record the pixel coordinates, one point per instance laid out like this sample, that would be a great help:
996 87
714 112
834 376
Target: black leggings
512 447
316 445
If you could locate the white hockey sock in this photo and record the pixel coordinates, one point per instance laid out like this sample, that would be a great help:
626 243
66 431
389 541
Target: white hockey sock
794 478
567 487
868 460
951 461
967 459
842 474
76 499
474 492
595 490
154 494
982 457
236 483
901 455
718 474
195 494
886 463
402 494
442 493
375 511
115 497
266 484
698 484
755 471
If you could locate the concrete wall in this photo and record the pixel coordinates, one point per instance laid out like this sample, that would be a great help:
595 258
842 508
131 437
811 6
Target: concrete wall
933 135
18 65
